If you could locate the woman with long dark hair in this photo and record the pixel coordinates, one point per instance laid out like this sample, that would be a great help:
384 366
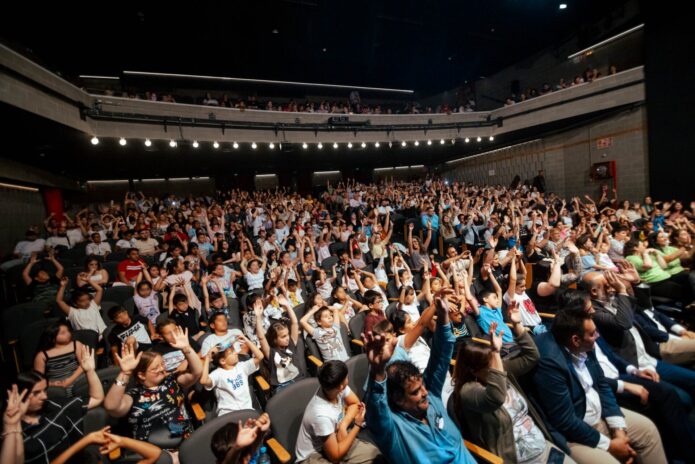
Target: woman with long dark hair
491 405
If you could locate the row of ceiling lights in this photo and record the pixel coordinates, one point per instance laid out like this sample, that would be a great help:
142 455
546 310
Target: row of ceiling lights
173 144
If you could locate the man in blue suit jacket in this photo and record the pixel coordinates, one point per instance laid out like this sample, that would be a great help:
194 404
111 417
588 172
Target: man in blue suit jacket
578 402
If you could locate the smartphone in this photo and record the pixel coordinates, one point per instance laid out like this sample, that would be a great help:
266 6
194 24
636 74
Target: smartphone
556 456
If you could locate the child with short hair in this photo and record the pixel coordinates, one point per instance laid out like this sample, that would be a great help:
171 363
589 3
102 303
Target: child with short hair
137 332
185 316
327 333
146 301
230 379
83 312
222 337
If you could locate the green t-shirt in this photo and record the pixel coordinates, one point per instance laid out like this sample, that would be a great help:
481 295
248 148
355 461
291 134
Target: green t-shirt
674 267
652 275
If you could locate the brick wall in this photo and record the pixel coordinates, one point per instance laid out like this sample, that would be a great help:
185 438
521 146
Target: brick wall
567 157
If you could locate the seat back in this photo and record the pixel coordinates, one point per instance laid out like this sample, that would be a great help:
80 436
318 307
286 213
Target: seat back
328 263
286 409
29 341
234 317
17 317
391 309
89 338
358 370
118 294
106 377
112 268
196 448
357 325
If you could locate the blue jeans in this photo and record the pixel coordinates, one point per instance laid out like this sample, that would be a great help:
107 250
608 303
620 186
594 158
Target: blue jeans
681 377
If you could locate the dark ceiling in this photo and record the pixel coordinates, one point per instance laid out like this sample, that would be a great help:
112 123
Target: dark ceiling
428 46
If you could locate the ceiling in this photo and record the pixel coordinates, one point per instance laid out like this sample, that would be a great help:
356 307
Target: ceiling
429 46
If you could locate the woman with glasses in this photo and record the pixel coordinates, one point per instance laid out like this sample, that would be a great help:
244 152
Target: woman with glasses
155 404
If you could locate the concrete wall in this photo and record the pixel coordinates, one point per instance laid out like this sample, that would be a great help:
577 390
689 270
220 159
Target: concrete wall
19 209
567 157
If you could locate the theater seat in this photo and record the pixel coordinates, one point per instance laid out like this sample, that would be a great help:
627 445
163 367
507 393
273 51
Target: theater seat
196 448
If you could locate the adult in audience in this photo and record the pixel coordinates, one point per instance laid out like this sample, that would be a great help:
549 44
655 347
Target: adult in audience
157 401
405 412
49 424
490 402
580 405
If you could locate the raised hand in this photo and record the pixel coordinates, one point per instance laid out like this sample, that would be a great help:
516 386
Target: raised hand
87 362
17 405
379 349
263 422
127 360
514 313
180 338
246 435
495 338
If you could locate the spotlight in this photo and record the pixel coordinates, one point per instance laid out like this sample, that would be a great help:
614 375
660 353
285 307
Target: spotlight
122 142
335 144
441 142
95 140
429 142
319 146
148 143
215 144
403 143
376 144
563 6
349 144
235 145
305 146
195 144
172 143
453 141
390 144
492 137
253 145
417 143
363 145
271 145
467 140
479 139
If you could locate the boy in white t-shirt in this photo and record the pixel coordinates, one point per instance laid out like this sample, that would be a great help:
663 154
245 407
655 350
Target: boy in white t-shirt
221 337
83 312
327 332
324 431
230 379
517 292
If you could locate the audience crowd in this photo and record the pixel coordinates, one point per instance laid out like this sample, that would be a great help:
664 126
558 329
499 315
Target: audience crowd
438 321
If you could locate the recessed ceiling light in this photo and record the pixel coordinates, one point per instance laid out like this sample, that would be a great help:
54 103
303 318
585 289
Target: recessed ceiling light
235 145
253 145
95 140
215 144
563 6
122 142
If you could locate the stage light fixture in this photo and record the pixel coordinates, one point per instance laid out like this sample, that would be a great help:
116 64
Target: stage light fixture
253 145
235 145
95 140
122 142
172 143
215 144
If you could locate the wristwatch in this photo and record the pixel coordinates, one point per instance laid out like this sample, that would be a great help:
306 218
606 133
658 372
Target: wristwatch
363 425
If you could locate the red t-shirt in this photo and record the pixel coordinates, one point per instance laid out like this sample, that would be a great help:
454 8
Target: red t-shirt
130 268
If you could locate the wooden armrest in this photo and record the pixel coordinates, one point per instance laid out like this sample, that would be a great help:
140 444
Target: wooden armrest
262 383
198 411
315 361
483 453
278 450
452 362
100 351
547 315
394 299
357 342
481 340
115 454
